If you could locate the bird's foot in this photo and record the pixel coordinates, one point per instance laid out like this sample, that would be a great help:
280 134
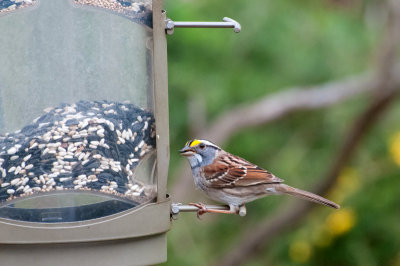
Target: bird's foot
202 209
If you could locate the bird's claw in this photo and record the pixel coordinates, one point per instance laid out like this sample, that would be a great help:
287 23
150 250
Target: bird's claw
202 209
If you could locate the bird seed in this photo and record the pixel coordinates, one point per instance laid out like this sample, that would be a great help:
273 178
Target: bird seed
79 147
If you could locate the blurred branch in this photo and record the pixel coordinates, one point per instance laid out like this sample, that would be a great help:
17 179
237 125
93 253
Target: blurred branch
282 103
386 87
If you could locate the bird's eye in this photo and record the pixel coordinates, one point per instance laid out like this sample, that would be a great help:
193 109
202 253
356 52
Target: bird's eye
202 145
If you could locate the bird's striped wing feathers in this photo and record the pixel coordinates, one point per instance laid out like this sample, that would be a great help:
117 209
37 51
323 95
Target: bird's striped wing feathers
229 170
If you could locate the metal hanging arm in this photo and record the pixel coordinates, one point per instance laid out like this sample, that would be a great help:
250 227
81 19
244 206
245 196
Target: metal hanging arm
228 23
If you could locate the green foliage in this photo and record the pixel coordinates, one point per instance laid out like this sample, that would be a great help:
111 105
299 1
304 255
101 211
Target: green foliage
283 44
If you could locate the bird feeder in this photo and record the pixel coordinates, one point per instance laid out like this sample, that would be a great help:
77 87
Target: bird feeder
84 133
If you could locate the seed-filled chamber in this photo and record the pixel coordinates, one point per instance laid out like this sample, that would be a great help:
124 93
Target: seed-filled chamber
77 123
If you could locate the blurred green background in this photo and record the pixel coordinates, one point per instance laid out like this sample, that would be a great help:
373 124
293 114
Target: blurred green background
283 44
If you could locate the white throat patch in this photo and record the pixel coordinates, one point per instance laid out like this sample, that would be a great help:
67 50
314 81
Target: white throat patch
195 160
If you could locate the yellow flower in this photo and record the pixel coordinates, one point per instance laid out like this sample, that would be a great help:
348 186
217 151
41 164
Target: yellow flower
394 147
300 251
340 221
348 182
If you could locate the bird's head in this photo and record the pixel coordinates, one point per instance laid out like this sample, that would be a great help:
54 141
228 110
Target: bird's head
199 152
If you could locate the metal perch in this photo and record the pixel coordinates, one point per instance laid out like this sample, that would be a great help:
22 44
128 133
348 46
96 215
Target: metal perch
176 208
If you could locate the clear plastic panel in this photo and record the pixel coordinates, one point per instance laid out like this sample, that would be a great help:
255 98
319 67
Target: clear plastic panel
76 118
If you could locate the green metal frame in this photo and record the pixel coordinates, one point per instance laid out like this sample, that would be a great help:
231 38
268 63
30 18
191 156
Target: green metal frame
161 113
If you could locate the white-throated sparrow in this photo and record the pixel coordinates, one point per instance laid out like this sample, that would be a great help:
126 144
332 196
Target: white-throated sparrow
230 179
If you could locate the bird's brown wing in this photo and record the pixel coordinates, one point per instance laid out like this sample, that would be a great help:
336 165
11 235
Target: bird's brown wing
229 170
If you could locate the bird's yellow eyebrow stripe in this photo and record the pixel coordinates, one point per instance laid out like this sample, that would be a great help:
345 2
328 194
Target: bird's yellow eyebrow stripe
195 142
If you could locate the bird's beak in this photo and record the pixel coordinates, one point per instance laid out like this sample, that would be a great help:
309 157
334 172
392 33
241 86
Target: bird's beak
187 151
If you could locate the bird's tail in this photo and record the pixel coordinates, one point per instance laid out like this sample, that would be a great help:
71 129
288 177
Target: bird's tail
285 189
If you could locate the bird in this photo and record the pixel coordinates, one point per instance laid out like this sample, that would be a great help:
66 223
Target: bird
232 180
